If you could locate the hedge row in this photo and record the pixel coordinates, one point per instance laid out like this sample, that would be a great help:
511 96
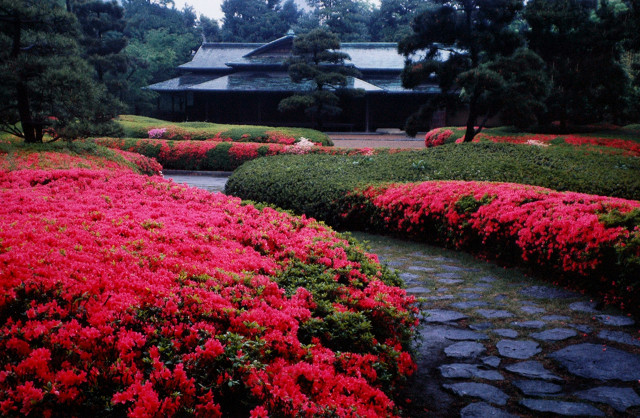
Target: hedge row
311 184
592 242
212 155
624 144
140 127
130 295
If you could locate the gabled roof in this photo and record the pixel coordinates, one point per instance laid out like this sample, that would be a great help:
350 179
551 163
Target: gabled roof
217 57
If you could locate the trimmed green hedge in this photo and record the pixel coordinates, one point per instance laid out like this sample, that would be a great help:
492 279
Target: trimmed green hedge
139 126
313 184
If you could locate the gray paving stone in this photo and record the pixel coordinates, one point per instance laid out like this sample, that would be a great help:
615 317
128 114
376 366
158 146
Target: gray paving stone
480 326
451 276
488 279
468 371
483 391
483 410
529 324
457 334
500 297
532 369
492 361
537 387
619 398
469 304
441 297
418 289
468 296
395 263
410 277
484 286
494 313
594 361
617 321
562 407
519 349
589 307
474 289
450 281
544 292
555 334
619 337
449 267
585 329
422 269
532 310
442 315
442 289
506 332
555 318
465 349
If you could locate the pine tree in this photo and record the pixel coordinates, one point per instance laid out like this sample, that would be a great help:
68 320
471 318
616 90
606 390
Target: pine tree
468 45
318 63
46 83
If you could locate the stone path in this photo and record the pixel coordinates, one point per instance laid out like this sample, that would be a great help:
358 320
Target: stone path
495 343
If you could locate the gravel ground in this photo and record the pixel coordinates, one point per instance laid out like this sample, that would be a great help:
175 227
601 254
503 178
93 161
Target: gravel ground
377 141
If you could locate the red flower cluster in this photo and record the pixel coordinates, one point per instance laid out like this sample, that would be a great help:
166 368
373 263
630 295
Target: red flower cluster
22 158
142 297
436 137
559 231
215 155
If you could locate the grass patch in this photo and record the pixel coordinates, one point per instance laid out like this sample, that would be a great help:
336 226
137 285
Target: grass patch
139 127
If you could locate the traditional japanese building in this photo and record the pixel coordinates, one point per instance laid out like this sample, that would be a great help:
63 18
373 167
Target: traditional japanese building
242 83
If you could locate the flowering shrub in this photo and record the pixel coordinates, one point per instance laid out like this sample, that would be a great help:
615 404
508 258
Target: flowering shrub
157 133
218 155
25 158
436 137
593 240
130 295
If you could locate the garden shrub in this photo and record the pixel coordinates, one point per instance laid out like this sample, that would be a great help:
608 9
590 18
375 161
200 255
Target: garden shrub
213 155
131 295
591 241
313 184
145 127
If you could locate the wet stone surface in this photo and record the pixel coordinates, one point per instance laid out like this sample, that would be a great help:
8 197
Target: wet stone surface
497 345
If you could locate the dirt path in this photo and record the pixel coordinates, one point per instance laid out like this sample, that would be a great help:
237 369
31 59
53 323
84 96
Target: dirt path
348 140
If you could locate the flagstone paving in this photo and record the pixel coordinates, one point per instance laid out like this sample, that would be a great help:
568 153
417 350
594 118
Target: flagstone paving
496 343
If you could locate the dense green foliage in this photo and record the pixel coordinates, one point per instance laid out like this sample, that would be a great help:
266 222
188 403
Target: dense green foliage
46 82
314 184
139 127
257 20
317 62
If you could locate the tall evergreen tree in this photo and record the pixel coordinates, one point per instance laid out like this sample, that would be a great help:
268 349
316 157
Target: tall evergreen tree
581 43
348 19
257 20
318 63
46 83
464 43
391 22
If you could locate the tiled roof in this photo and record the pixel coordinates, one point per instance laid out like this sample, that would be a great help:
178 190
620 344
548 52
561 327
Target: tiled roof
374 55
215 56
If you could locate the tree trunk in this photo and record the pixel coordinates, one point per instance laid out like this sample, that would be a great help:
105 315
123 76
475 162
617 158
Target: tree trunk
25 113
471 120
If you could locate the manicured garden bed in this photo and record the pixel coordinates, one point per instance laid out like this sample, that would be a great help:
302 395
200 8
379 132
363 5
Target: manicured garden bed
145 127
587 241
215 155
128 294
620 140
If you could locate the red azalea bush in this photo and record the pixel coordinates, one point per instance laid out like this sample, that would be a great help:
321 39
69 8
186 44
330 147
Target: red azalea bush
436 137
131 295
216 155
593 240
34 159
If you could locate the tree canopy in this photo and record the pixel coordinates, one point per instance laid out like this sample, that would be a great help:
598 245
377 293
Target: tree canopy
470 46
318 63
